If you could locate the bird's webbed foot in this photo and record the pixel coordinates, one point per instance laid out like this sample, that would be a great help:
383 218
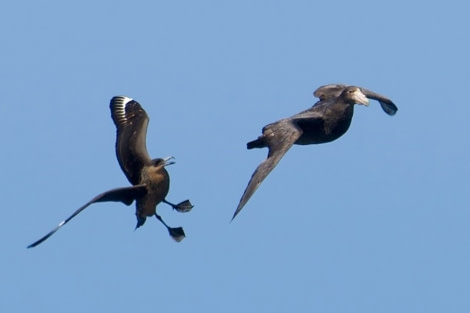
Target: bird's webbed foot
177 233
182 207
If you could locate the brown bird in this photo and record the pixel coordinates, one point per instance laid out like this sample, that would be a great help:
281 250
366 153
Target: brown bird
325 121
149 177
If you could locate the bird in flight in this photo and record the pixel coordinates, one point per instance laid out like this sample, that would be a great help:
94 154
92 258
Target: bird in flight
149 178
325 121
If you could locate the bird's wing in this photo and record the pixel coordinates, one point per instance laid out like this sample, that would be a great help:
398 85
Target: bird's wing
131 122
315 113
279 137
331 91
387 105
328 92
126 195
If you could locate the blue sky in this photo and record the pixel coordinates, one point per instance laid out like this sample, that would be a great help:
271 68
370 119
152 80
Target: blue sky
373 222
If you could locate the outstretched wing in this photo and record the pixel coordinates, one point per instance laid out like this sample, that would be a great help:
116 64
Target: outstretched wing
279 137
328 92
126 195
387 105
131 122
331 91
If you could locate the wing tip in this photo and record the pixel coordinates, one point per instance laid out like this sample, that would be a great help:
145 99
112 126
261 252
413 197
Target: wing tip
38 242
389 107
118 108
243 201
121 99
236 212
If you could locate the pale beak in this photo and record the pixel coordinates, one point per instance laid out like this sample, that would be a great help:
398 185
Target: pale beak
168 160
360 98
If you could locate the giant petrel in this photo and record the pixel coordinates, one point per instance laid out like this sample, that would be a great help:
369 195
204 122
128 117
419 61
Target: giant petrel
325 121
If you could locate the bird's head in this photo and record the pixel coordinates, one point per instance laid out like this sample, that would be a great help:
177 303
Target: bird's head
353 94
162 162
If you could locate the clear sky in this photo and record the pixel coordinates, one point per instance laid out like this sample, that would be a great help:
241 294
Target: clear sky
376 221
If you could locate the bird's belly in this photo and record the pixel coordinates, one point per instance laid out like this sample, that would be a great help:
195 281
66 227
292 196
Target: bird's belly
315 134
147 206
316 139
156 192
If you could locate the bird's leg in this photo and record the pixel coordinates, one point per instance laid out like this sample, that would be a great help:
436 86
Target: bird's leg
183 207
177 233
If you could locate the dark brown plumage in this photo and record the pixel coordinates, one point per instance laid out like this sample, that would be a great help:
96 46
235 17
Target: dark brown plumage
149 178
331 91
326 121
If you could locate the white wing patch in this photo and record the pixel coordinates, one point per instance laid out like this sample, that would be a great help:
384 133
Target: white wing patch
120 103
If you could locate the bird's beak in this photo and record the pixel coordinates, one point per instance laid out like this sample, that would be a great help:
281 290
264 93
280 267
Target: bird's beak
169 160
361 98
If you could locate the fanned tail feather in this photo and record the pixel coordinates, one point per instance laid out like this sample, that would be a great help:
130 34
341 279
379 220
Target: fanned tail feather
257 143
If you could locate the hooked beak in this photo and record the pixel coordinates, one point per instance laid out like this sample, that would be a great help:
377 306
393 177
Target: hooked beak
360 98
169 160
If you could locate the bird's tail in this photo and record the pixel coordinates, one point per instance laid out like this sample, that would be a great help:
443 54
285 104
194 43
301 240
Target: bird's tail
140 221
257 143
